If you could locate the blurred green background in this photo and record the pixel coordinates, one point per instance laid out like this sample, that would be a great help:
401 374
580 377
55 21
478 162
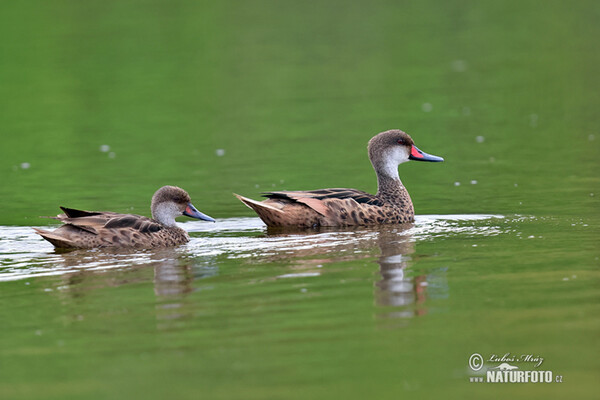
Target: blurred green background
292 92
103 102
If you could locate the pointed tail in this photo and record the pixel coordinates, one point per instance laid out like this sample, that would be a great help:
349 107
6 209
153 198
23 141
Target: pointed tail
56 240
270 215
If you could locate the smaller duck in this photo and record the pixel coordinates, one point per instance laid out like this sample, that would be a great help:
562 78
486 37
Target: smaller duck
95 229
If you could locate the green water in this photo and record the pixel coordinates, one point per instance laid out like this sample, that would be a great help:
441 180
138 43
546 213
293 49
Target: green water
247 96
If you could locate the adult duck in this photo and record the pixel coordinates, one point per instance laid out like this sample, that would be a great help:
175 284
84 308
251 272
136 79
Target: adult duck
93 229
346 207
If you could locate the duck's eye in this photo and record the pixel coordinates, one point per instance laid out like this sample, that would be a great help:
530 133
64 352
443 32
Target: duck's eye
401 141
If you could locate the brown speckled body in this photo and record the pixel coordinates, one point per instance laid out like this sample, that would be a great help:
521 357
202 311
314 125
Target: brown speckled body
344 207
347 207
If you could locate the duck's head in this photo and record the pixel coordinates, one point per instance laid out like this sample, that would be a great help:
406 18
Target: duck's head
170 202
391 148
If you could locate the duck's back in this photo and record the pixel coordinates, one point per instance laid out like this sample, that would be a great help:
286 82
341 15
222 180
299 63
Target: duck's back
89 229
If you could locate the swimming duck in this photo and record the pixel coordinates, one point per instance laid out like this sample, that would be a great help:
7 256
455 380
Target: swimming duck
91 229
345 207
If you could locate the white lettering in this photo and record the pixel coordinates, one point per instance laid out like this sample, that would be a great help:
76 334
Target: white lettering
512 378
532 359
518 376
548 376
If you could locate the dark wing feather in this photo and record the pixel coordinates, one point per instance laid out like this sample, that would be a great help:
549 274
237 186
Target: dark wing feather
95 222
139 223
324 194
74 213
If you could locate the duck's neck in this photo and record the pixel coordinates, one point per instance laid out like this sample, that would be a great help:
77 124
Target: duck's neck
391 189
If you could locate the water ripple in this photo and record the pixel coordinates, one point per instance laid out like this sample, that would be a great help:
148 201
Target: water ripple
23 254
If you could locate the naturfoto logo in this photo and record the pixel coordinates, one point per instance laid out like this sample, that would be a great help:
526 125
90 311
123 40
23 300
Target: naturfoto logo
509 368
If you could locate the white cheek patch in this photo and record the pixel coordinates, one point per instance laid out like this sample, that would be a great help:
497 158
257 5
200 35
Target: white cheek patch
166 213
392 158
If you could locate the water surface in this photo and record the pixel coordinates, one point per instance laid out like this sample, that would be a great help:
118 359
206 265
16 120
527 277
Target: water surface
240 311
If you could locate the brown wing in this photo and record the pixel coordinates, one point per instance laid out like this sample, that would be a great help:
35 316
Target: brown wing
321 200
324 194
94 222
135 222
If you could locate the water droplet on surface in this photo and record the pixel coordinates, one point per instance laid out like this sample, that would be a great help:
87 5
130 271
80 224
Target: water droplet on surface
473 182
533 120
591 137
456 183
459 65
220 152
480 139
112 154
25 165
104 148
427 107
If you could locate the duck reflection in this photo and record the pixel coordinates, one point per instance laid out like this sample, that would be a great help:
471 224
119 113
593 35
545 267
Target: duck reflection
398 292
397 288
173 281
173 273
173 277
88 270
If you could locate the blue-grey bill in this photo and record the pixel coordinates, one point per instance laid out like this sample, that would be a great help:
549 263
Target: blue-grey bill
191 212
419 155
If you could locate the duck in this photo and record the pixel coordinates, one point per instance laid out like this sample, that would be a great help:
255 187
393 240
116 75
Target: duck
340 207
98 229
